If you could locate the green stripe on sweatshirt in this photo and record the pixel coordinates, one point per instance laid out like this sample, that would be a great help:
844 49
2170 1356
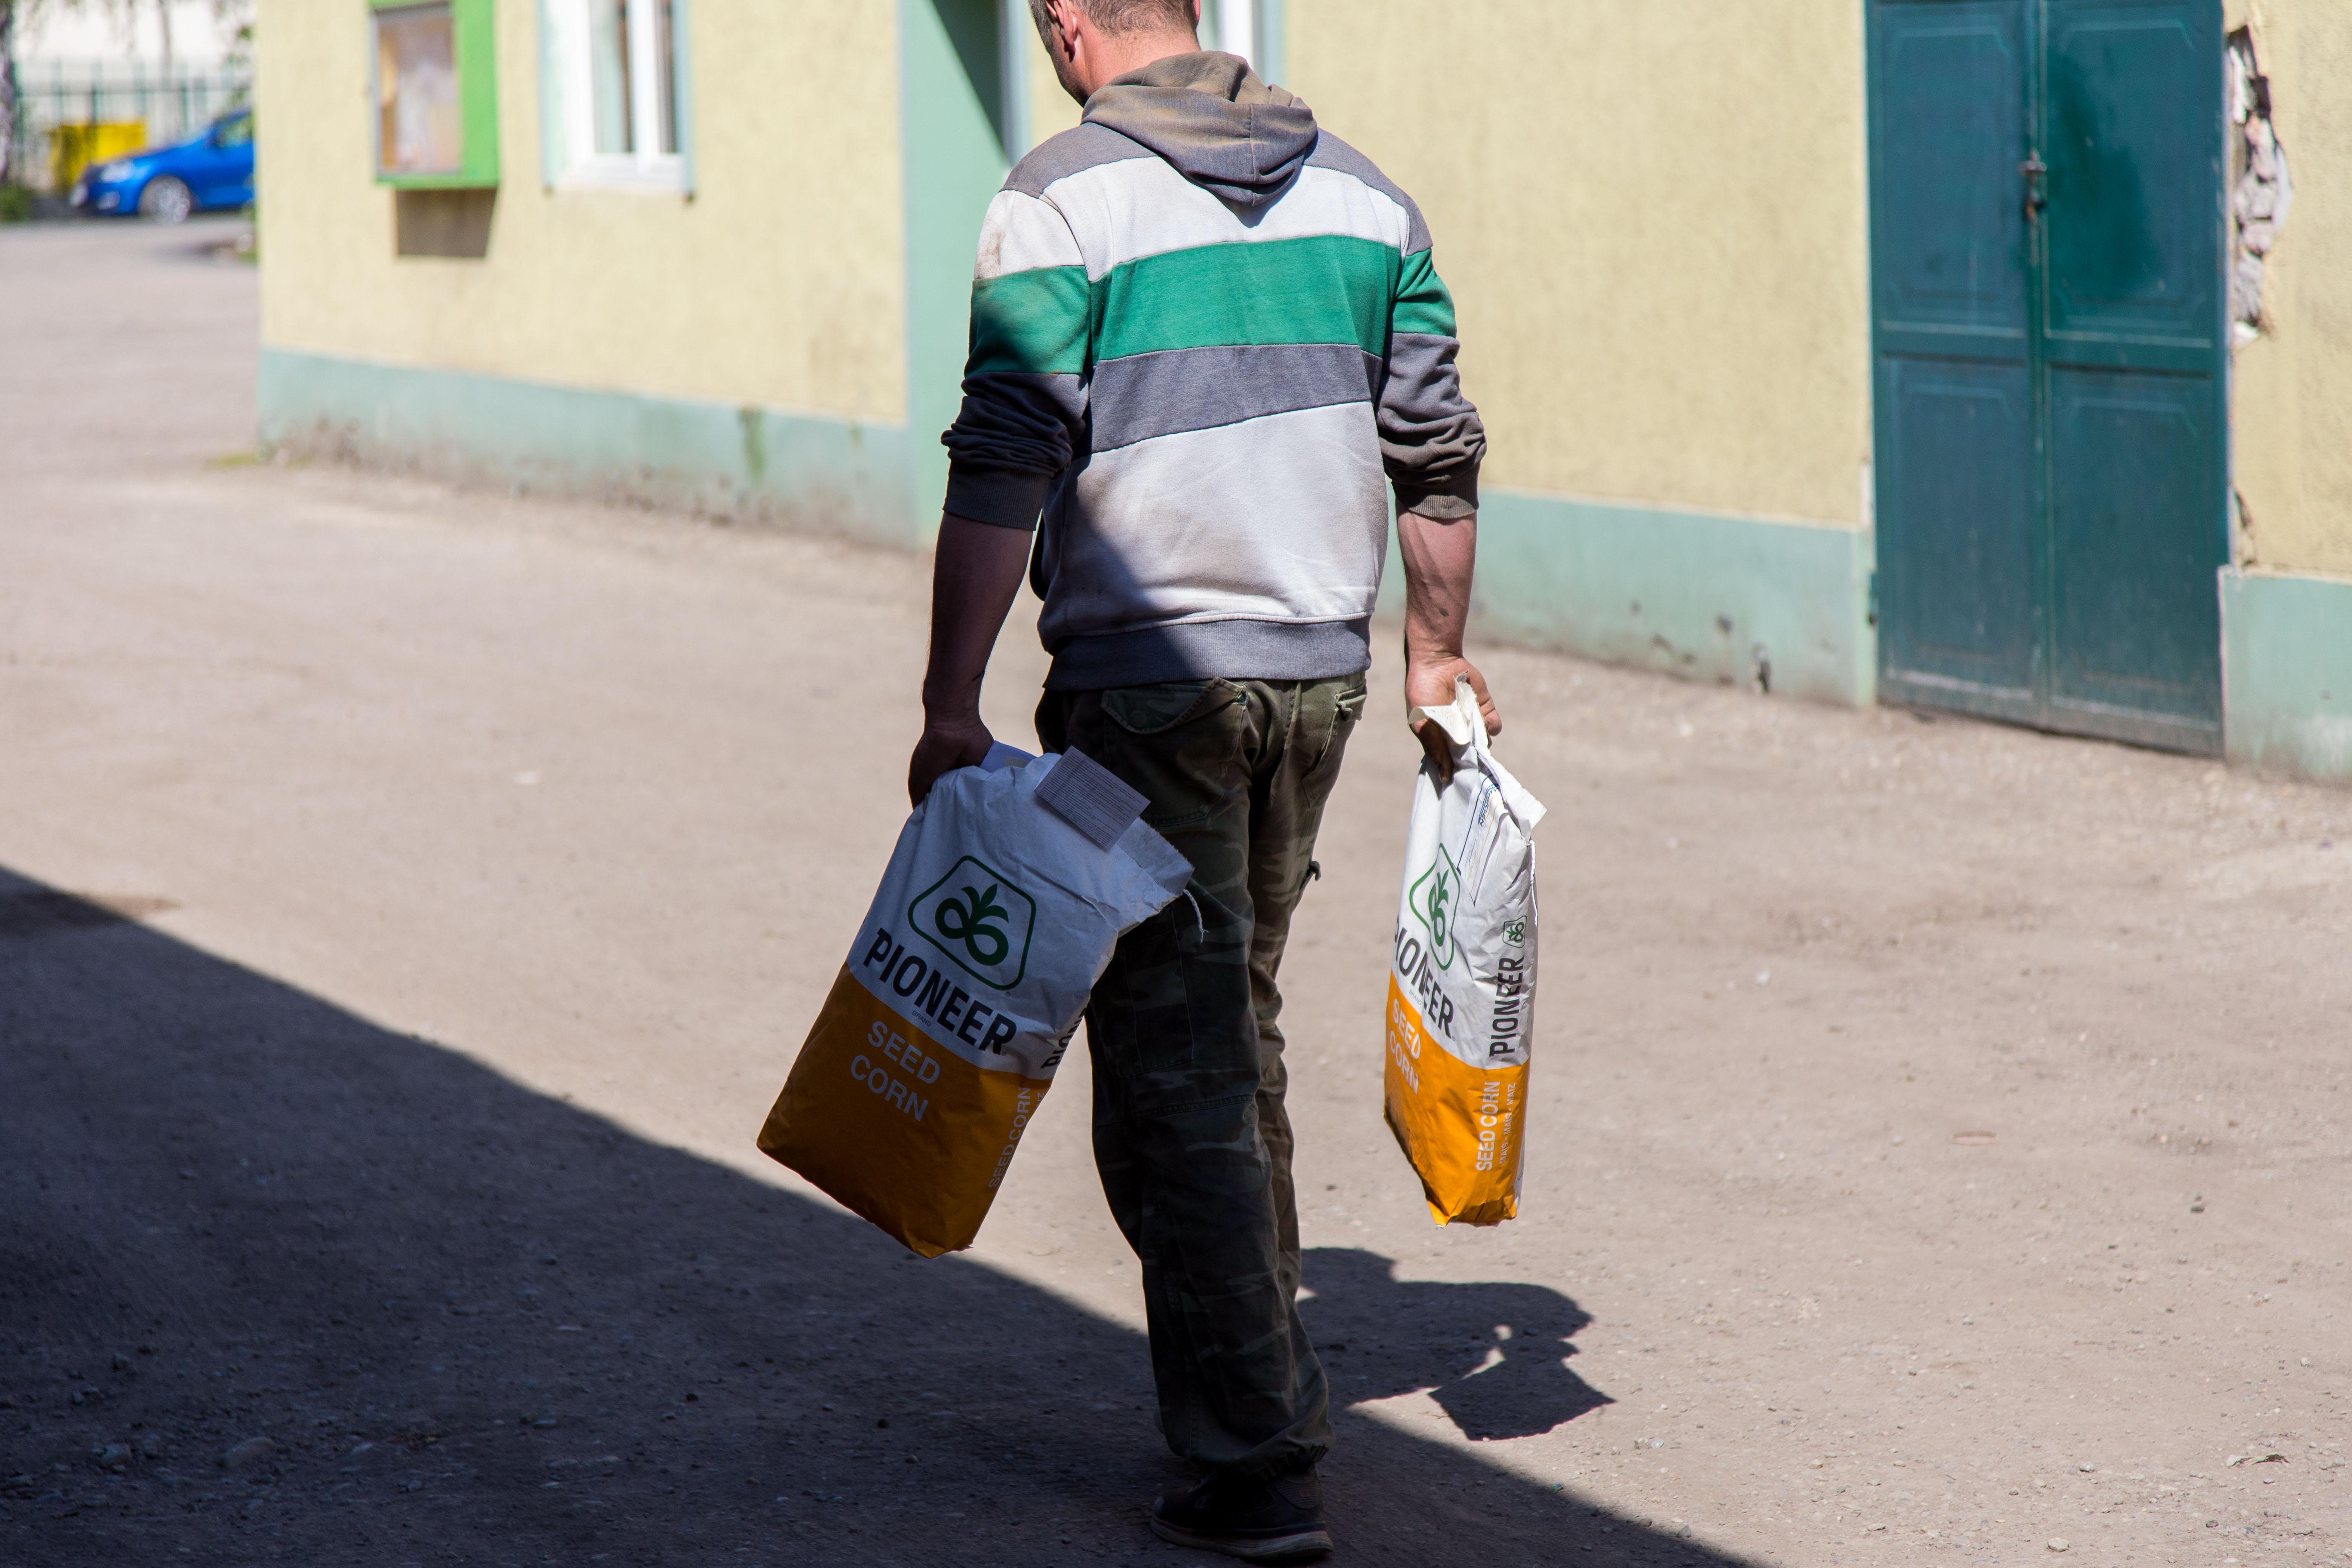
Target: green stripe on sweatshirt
1034 321
1424 308
1331 288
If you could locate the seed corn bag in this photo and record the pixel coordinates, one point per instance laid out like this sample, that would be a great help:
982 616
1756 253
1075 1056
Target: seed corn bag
1008 888
1462 979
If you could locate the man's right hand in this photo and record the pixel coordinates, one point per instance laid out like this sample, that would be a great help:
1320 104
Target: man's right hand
946 745
1429 683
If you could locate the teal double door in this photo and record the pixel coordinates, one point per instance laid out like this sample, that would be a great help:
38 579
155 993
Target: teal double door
2049 315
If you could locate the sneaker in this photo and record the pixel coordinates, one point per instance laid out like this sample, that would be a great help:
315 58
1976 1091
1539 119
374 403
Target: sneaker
1276 1519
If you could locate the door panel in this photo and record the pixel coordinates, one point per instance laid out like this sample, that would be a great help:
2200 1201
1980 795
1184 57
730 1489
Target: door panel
1952 231
2135 628
1960 610
2133 111
2133 268
1953 384
2046 222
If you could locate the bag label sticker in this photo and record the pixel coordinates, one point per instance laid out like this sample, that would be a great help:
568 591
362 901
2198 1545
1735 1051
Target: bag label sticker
981 921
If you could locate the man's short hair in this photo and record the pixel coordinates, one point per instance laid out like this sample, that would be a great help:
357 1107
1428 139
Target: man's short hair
1126 15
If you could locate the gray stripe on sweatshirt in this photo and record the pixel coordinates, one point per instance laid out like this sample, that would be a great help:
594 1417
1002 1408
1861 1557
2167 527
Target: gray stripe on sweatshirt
1144 395
1071 152
1017 430
1209 650
1432 440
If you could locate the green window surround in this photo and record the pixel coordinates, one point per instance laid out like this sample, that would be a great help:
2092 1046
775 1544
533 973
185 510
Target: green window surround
436 98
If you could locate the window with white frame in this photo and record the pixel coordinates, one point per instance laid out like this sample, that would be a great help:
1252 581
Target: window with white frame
615 108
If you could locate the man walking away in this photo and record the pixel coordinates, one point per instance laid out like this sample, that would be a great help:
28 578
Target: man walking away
1203 333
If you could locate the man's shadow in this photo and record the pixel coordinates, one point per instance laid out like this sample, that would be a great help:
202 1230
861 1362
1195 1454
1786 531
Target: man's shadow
1494 1356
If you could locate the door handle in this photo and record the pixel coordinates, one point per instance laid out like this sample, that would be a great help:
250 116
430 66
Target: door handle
2037 196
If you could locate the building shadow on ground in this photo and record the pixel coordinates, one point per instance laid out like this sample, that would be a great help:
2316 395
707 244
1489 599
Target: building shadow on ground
278 1284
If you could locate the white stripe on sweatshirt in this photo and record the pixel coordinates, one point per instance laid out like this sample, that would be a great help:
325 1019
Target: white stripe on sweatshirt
1177 530
1140 206
1021 234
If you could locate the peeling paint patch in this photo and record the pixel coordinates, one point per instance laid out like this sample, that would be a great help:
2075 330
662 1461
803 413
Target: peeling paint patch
2260 189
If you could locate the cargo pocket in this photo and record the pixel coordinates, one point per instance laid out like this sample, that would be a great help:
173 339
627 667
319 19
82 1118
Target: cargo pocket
1347 708
1181 743
1156 709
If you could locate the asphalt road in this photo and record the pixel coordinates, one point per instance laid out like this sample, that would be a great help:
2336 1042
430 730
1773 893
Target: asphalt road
410 900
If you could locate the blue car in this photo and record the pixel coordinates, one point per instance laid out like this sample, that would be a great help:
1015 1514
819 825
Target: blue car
212 170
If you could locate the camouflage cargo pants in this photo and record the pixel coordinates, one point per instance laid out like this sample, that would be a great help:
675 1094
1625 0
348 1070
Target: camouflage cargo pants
1190 1132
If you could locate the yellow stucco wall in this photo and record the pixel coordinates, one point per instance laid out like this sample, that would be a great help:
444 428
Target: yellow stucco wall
2291 419
1051 111
780 283
1654 219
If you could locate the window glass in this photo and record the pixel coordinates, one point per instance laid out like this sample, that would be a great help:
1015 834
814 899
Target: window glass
419 129
615 111
665 71
234 132
608 70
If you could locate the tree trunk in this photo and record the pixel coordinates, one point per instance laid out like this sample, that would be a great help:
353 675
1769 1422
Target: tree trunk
8 175
171 93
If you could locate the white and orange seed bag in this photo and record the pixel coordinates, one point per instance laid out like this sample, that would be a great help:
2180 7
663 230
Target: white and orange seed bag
1462 979
1008 888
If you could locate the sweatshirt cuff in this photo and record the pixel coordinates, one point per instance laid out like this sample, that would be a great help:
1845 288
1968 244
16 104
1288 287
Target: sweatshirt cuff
1003 498
1446 501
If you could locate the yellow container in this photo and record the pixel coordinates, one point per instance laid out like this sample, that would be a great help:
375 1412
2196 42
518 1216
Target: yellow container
73 148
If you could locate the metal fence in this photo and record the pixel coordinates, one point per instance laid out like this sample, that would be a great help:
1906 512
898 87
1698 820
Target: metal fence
51 94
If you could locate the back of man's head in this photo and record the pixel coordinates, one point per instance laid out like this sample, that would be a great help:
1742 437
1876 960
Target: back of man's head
1122 17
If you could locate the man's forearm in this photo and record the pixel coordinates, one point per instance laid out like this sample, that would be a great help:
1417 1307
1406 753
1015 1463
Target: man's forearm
1440 559
975 574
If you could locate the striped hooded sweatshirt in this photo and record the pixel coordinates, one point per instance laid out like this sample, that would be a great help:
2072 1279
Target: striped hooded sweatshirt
1203 333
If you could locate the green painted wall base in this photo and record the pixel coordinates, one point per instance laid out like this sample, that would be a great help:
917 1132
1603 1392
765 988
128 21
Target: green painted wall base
2286 673
1707 598
1780 606
749 463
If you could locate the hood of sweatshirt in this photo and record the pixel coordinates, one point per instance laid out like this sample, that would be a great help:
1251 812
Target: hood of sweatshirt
1209 115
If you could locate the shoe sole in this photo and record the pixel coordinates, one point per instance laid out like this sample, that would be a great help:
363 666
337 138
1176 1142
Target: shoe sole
1303 1546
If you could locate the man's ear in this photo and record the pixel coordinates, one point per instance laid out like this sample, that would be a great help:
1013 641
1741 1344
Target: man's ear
1057 32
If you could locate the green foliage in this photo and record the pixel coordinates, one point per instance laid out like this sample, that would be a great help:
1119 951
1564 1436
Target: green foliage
15 204
235 20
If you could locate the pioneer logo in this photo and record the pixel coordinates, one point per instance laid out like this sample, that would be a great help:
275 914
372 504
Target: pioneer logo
981 921
1431 901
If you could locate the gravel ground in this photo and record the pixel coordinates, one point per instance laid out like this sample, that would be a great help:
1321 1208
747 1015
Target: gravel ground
413 899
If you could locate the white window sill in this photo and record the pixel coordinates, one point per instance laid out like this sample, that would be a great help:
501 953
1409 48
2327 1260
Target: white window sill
646 176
